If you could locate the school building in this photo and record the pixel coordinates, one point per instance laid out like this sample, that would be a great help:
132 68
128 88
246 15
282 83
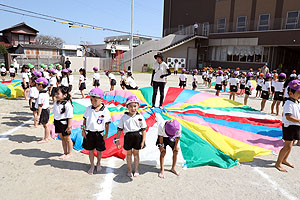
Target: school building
236 33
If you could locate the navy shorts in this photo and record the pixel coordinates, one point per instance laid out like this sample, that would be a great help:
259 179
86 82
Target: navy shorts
133 140
166 142
94 140
44 118
218 87
233 88
61 126
265 95
291 133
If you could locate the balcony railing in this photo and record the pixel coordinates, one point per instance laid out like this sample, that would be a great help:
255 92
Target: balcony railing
204 29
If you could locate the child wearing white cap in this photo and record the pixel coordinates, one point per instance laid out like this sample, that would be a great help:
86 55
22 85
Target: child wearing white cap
134 126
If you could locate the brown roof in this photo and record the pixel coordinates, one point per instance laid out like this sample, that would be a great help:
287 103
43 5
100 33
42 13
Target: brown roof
18 25
37 46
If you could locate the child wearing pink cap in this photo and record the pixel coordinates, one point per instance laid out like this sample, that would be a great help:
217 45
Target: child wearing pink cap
53 84
65 78
96 120
96 77
134 126
42 106
291 125
33 95
169 133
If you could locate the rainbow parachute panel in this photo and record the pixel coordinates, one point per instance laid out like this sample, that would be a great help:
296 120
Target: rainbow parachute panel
215 131
11 89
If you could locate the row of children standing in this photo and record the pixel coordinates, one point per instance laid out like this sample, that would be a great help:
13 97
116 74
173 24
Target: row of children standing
4 71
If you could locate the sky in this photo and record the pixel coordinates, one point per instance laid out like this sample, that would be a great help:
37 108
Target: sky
115 14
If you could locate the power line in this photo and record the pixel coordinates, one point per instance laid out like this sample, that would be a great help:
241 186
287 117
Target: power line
52 18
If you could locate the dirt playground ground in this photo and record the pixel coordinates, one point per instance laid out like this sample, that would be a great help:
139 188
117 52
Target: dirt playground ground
32 171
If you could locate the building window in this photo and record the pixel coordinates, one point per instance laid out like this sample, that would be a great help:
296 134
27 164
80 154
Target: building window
241 24
24 39
180 27
263 23
221 25
292 20
136 42
205 29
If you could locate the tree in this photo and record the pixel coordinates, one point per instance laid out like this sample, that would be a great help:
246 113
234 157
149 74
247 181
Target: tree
3 50
50 40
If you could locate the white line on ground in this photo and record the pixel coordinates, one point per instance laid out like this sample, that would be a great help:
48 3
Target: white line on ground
274 184
5 134
107 184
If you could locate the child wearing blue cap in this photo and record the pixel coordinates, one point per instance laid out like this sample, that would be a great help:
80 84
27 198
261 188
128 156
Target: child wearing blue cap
291 125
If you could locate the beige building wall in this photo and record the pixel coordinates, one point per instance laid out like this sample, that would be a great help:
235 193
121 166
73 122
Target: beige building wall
265 7
242 8
222 11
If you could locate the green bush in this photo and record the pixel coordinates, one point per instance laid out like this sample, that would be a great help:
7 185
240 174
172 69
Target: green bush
3 50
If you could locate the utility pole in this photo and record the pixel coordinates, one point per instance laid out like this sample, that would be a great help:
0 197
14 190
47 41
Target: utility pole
131 41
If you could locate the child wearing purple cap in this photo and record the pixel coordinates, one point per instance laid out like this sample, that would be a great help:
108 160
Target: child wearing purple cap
266 91
195 79
169 133
278 93
65 78
219 81
182 79
25 81
63 114
234 85
291 125
33 95
134 126
42 106
96 120
96 77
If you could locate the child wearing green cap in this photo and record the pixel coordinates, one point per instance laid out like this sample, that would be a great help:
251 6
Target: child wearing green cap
3 71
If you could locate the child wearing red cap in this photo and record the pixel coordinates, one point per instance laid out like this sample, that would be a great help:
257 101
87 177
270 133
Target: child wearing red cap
169 133
96 119
291 125
219 81
134 126
42 106
234 85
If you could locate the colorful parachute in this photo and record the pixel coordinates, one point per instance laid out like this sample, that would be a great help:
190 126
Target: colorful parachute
215 131
11 89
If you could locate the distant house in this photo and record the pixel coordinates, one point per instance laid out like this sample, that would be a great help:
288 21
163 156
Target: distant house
71 50
19 34
34 50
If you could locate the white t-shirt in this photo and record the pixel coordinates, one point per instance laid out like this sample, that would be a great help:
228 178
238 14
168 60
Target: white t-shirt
210 75
291 108
132 123
299 77
82 79
59 73
96 76
225 77
123 77
243 80
273 82
96 120
196 25
249 84
176 66
111 76
182 77
204 74
278 86
64 82
24 76
53 81
234 81
195 79
3 69
12 70
33 93
266 86
260 82
71 79
286 93
160 69
43 100
162 131
219 79
57 108
131 82
46 75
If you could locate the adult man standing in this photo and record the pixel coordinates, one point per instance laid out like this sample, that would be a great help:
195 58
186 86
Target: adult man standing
67 64
265 70
196 28
159 78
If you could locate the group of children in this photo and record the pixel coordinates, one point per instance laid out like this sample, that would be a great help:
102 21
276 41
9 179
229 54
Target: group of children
96 119
11 71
